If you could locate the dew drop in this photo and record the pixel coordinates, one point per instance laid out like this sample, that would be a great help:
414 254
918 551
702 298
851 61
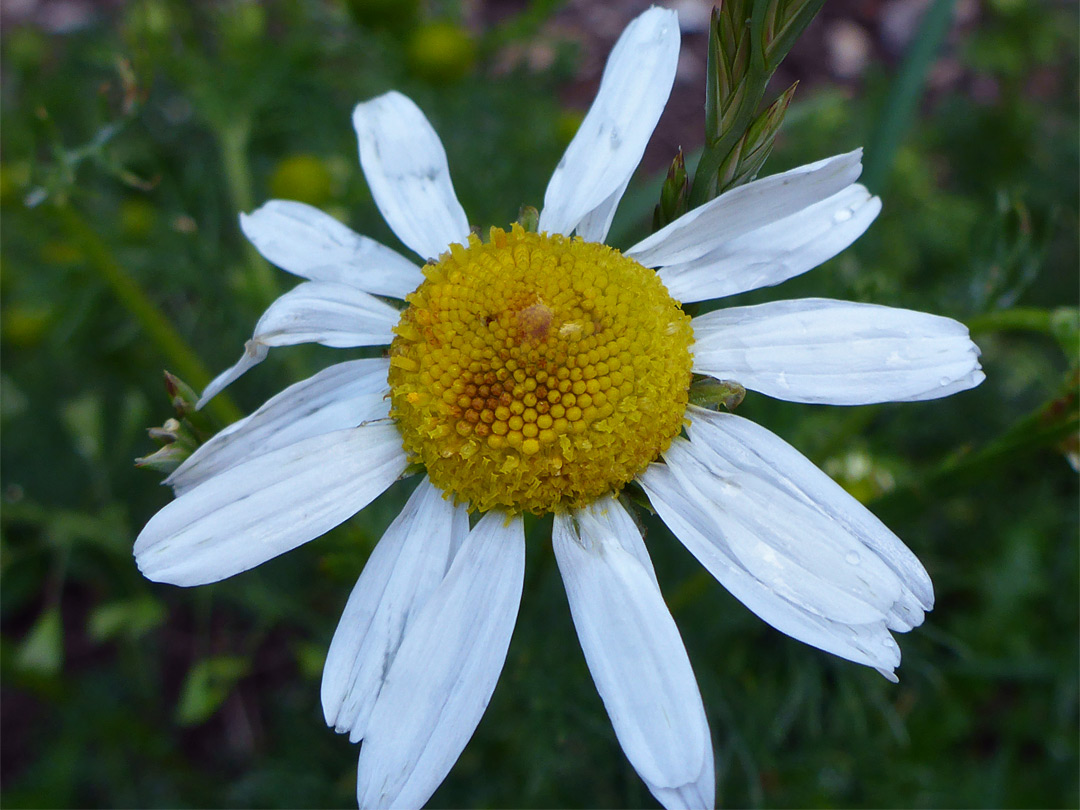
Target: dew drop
943 381
843 215
852 558
888 642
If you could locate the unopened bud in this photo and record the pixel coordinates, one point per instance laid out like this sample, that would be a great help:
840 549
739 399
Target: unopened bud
165 460
712 394
673 194
167 433
182 395
529 218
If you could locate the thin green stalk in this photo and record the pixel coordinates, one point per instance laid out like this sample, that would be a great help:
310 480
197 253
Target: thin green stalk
1034 432
1026 319
233 142
1044 427
903 101
177 353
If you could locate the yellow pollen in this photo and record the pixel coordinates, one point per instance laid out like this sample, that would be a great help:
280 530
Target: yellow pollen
536 373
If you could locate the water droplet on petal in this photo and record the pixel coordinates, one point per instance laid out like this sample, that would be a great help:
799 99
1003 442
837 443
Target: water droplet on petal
843 215
852 558
943 381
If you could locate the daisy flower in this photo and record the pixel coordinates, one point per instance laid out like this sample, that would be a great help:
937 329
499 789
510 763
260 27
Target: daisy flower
542 372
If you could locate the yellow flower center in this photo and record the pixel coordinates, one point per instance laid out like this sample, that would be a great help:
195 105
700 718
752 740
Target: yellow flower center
536 373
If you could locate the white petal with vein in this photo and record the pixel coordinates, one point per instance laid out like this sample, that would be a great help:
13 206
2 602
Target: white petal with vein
745 209
325 312
312 244
341 396
405 166
269 505
761 453
399 577
595 225
608 146
254 353
445 670
705 492
634 651
836 352
696 528
775 252
785 542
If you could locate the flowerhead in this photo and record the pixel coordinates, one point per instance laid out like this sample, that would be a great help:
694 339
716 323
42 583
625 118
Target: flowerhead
543 372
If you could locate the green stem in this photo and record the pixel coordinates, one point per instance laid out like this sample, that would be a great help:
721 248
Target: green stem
1043 427
1027 319
233 142
903 101
153 322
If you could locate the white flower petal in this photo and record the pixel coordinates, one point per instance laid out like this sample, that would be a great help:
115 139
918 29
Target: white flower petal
305 241
634 651
334 315
785 542
701 793
405 166
607 517
325 312
445 670
608 146
402 572
254 353
594 227
698 530
745 209
338 397
269 505
836 352
762 453
776 252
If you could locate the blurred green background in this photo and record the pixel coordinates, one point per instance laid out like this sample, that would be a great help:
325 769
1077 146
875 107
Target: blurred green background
133 133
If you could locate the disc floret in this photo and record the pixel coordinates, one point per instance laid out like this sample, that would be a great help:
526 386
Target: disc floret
536 372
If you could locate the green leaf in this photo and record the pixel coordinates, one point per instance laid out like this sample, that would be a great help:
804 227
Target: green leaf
165 459
207 685
728 62
84 418
714 394
42 651
129 618
782 28
1065 327
902 105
